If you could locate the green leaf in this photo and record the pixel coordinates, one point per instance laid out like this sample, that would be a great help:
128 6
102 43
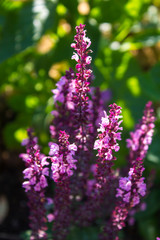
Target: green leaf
24 27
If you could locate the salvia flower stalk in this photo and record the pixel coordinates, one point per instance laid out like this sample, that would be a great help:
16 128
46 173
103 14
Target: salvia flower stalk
130 191
141 138
82 82
35 183
106 144
62 166
82 126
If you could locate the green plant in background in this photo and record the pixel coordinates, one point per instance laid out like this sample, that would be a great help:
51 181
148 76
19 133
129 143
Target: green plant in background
34 40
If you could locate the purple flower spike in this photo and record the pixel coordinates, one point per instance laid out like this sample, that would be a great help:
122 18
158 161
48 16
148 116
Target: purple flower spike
35 184
131 190
82 82
141 138
106 144
83 127
63 164
107 139
83 74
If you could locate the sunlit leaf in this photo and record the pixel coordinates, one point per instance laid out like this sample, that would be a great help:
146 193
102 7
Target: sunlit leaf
23 27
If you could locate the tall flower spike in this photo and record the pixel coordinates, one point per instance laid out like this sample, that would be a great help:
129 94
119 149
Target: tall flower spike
82 80
130 191
62 167
132 188
82 127
141 138
106 144
35 184
109 128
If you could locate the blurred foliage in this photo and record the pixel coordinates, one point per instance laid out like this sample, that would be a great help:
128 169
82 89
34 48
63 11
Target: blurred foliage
35 38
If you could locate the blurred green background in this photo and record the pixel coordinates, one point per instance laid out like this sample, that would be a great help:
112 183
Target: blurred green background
35 38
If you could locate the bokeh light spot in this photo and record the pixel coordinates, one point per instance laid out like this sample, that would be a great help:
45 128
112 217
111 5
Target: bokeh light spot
20 134
133 85
84 8
31 101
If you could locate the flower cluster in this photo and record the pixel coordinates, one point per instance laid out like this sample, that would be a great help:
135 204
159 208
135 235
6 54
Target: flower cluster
35 173
104 177
63 92
141 138
82 81
131 188
58 93
106 144
62 97
62 161
86 187
109 135
62 168
82 112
